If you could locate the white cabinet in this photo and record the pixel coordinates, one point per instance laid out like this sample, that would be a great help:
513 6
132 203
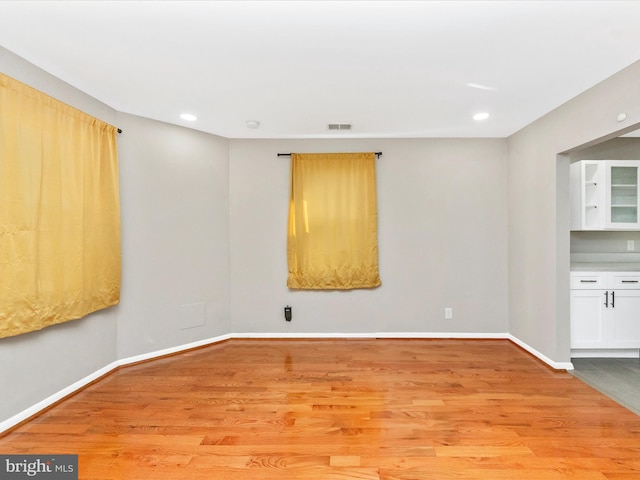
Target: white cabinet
622 194
625 319
587 195
587 319
605 310
605 195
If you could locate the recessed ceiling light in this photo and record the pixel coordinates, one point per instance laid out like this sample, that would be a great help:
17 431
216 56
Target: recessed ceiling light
188 117
480 86
252 124
481 116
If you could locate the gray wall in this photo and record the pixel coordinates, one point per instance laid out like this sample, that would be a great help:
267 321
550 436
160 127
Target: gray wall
538 206
174 189
626 148
442 239
175 273
36 365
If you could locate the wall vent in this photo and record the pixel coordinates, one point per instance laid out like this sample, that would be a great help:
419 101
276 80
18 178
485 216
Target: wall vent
339 126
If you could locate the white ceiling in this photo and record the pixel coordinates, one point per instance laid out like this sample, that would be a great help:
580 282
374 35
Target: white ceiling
391 69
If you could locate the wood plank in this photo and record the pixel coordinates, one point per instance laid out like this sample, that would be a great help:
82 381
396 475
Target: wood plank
340 410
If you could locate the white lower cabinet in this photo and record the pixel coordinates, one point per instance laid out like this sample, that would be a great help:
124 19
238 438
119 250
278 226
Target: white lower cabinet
625 319
605 310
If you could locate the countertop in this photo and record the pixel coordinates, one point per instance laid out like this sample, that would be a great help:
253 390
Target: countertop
605 267
605 262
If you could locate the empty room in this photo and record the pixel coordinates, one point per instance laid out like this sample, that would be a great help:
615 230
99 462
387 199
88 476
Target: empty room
320 240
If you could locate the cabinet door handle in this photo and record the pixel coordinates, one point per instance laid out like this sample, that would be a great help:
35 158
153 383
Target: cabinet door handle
629 281
613 299
606 299
591 281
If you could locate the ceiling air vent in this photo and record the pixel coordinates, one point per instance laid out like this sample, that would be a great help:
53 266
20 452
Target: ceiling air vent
339 126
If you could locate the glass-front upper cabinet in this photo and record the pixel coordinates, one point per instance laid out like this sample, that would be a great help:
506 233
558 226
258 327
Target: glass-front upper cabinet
605 195
622 194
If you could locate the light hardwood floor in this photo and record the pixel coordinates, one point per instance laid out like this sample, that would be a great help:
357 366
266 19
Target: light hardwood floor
341 409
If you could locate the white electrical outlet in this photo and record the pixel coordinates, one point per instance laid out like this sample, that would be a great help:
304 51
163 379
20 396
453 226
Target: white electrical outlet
448 313
631 245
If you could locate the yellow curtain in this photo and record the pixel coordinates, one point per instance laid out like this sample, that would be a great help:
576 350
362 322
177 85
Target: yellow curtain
333 222
59 211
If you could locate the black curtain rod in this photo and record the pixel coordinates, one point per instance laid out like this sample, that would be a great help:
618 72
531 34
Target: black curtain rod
377 154
119 130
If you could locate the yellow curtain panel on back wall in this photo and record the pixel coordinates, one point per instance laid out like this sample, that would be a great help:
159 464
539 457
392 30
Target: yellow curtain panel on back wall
59 211
333 222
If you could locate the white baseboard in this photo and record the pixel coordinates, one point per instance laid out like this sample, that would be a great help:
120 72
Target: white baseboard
56 397
541 356
605 353
169 351
453 335
302 335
